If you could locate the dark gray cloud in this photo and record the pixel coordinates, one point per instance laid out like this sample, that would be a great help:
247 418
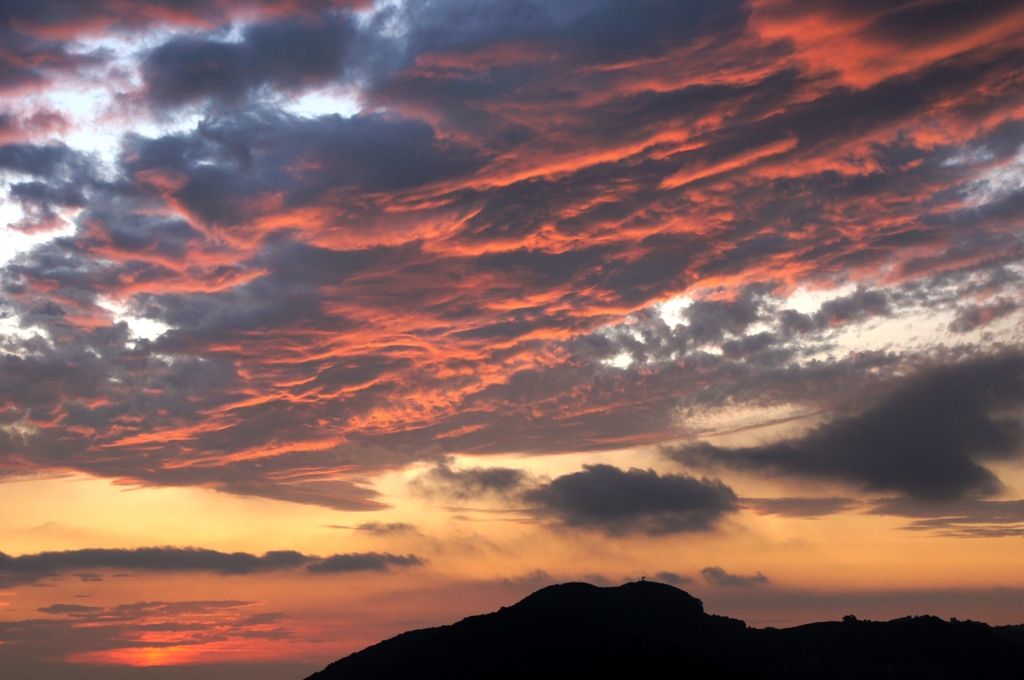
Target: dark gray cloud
48 161
633 501
927 439
592 30
224 169
288 54
31 568
59 177
717 576
600 496
854 307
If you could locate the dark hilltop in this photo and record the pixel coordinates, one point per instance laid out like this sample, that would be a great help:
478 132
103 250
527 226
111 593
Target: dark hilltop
653 630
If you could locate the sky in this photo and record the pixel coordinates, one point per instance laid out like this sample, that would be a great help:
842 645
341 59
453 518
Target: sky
325 320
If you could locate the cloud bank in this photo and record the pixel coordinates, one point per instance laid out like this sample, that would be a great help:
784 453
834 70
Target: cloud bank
30 568
928 439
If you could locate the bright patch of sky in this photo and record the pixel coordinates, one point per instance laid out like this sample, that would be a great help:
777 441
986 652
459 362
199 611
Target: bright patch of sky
13 240
140 328
13 335
671 310
968 157
98 105
809 300
998 181
324 102
622 361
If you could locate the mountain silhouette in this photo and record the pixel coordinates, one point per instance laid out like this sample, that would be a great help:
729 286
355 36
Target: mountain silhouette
653 630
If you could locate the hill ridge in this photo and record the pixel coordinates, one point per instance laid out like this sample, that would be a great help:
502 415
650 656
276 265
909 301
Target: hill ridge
655 630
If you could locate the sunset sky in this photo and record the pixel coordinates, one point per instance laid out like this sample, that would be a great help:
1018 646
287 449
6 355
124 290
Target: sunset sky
321 321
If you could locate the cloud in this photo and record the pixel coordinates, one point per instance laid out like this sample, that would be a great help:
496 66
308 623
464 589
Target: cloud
225 172
470 483
386 528
927 439
31 63
973 316
964 518
800 507
489 243
30 568
673 578
56 16
136 631
336 564
604 497
286 54
152 559
633 501
717 576
21 126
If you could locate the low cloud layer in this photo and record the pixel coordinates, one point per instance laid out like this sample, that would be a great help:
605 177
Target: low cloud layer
928 439
31 568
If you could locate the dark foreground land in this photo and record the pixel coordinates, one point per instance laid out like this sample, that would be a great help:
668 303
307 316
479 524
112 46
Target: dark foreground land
653 630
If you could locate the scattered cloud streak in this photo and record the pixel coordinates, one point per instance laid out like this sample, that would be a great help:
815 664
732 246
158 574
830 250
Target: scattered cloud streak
967 518
336 564
386 528
31 568
131 633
